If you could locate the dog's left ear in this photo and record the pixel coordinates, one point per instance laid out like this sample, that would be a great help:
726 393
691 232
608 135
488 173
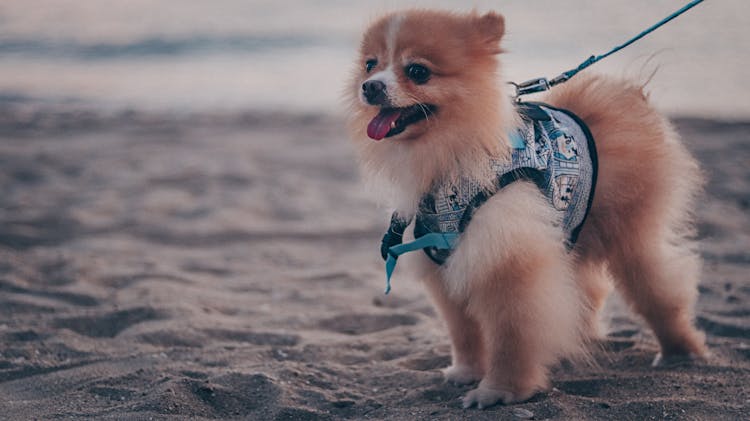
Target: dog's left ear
491 27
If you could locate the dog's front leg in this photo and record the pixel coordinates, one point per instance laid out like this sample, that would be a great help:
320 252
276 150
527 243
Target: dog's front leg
467 354
519 287
529 318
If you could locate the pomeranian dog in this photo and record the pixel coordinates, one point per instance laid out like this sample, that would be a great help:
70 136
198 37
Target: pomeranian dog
432 123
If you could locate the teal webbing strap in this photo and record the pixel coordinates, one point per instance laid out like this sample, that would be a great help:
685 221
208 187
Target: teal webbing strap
437 240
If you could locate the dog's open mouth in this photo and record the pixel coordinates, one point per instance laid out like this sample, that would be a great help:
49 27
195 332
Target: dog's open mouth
392 121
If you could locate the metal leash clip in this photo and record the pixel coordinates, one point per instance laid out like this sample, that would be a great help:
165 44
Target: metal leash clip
530 86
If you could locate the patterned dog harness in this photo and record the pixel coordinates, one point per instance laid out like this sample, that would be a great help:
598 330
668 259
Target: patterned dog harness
553 148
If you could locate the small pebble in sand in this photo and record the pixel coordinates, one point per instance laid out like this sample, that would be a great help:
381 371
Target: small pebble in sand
523 414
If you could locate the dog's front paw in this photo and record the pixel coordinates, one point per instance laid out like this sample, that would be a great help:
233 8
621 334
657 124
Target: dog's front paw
484 397
462 374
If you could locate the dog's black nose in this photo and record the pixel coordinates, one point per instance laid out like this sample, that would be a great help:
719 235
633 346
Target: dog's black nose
374 92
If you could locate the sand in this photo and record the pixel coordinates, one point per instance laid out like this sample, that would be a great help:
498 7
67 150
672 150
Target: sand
227 266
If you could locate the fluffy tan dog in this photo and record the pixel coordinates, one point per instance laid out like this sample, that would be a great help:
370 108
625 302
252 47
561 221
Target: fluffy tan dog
515 299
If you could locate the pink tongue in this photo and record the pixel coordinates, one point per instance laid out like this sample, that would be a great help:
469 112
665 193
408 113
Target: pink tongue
381 124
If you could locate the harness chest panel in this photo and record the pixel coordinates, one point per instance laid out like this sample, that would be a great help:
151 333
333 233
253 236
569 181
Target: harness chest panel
557 154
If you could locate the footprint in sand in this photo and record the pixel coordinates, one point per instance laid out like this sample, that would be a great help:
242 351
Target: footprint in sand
67 297
718 327
113 393
359 324
170 339
47 230
255 338
428 362
108 325
248 396
590 388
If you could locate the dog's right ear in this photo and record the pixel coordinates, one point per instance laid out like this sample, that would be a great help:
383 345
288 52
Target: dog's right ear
491 27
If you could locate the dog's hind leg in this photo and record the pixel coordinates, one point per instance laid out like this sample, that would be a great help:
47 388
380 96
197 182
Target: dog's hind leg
659 280
596 284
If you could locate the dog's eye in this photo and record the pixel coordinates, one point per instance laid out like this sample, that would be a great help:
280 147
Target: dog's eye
370 64
418 73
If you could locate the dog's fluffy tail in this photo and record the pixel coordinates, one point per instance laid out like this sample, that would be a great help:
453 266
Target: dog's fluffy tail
592 97
644 167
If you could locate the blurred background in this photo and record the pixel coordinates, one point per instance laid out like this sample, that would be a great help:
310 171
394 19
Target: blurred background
294 55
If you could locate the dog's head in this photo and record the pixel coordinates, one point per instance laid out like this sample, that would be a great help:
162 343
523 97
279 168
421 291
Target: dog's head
426 86
421 71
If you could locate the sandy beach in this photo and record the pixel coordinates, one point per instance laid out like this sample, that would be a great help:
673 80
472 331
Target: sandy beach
161 266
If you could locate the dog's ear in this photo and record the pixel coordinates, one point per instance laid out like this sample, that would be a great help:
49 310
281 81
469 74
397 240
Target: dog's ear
491 27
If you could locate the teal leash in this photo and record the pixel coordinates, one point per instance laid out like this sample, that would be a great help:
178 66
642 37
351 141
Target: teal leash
542 84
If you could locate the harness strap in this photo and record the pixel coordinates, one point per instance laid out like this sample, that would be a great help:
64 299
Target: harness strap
434 239
523 173
395 233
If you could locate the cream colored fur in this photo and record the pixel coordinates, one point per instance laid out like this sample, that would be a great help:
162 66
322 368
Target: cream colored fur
515 301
